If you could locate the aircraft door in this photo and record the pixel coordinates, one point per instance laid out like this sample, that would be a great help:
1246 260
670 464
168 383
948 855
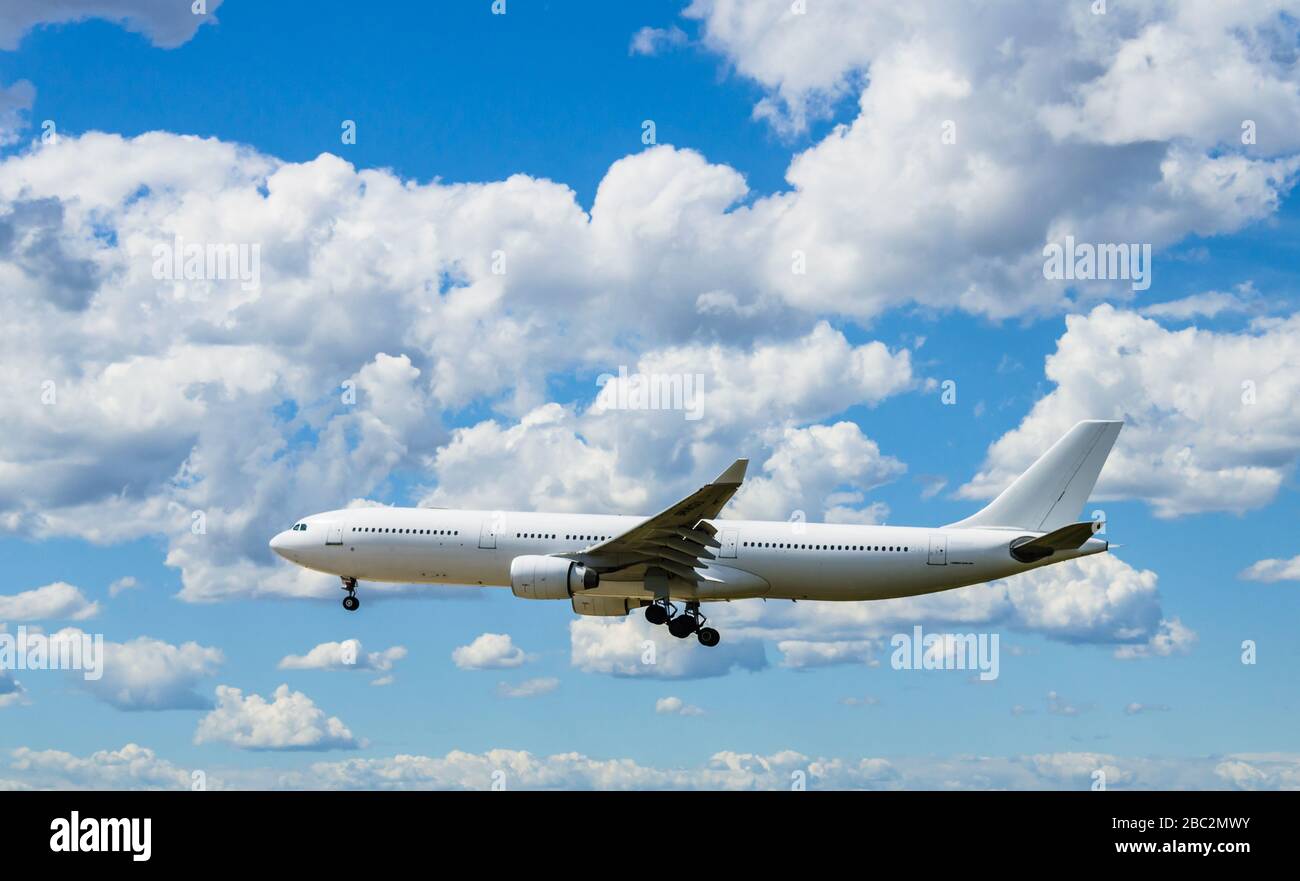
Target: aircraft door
728 539
487 537
938 550
333 533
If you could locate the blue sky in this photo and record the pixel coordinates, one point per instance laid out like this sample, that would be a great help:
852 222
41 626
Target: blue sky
236 390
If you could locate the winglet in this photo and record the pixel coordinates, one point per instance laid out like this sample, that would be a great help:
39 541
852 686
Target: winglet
733 475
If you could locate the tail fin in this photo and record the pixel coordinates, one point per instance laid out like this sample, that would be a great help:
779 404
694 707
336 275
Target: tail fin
1051 494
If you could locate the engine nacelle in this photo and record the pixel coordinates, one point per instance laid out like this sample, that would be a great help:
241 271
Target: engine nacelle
536 577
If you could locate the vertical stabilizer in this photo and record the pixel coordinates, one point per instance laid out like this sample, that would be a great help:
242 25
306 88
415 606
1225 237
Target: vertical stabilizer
1052 493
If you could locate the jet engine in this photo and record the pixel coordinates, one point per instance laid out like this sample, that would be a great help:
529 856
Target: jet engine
536 577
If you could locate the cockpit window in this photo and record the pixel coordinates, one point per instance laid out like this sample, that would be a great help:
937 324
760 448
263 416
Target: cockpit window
299 527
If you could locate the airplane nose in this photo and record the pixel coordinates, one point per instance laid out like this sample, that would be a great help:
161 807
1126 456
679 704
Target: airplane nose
279 543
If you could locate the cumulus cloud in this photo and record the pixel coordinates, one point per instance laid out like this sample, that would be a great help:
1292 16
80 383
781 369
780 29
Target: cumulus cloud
166 25
289 721
131 767
12 692
15 102
1059 706
136 767
632 647
975 141
652 41
123 584
523 770
802 654
346 655
559 458
489 651
675 706
1097 600
1259 772
150 674
163 390
1209 421
57 600
1209 304
1273 570
805 469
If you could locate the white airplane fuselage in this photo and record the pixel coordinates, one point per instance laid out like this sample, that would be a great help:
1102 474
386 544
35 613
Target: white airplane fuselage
773 559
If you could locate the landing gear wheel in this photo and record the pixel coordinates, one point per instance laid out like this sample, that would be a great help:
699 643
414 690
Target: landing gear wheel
656 614
350 602
682 626
708 637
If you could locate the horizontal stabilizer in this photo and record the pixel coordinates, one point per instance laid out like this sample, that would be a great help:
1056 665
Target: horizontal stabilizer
1067 538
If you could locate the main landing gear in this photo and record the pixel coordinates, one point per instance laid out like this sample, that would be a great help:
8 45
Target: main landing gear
350 602
683 625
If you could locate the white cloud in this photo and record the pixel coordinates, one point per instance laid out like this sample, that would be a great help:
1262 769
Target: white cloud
489 651
1059 706
12 692
1208 303
164 390
57 600
1195 73
634 648
556 458
1209 421
889 209
652 41
1097 600
807 466
1273 570
747 771
135 767
149 674
125 583
523 770
346 655
802 654
1257 772
529 687
1170 638
131 767
167 25
15 102
289 721
675 706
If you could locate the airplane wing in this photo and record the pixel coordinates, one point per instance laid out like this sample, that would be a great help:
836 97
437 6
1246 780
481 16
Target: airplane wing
675 540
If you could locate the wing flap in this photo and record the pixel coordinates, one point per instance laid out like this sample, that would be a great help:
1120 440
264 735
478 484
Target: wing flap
678 539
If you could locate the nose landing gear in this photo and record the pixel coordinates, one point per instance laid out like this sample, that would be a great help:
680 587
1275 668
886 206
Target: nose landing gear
350 602
683 625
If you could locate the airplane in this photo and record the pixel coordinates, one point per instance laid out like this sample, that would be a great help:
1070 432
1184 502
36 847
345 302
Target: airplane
610 565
